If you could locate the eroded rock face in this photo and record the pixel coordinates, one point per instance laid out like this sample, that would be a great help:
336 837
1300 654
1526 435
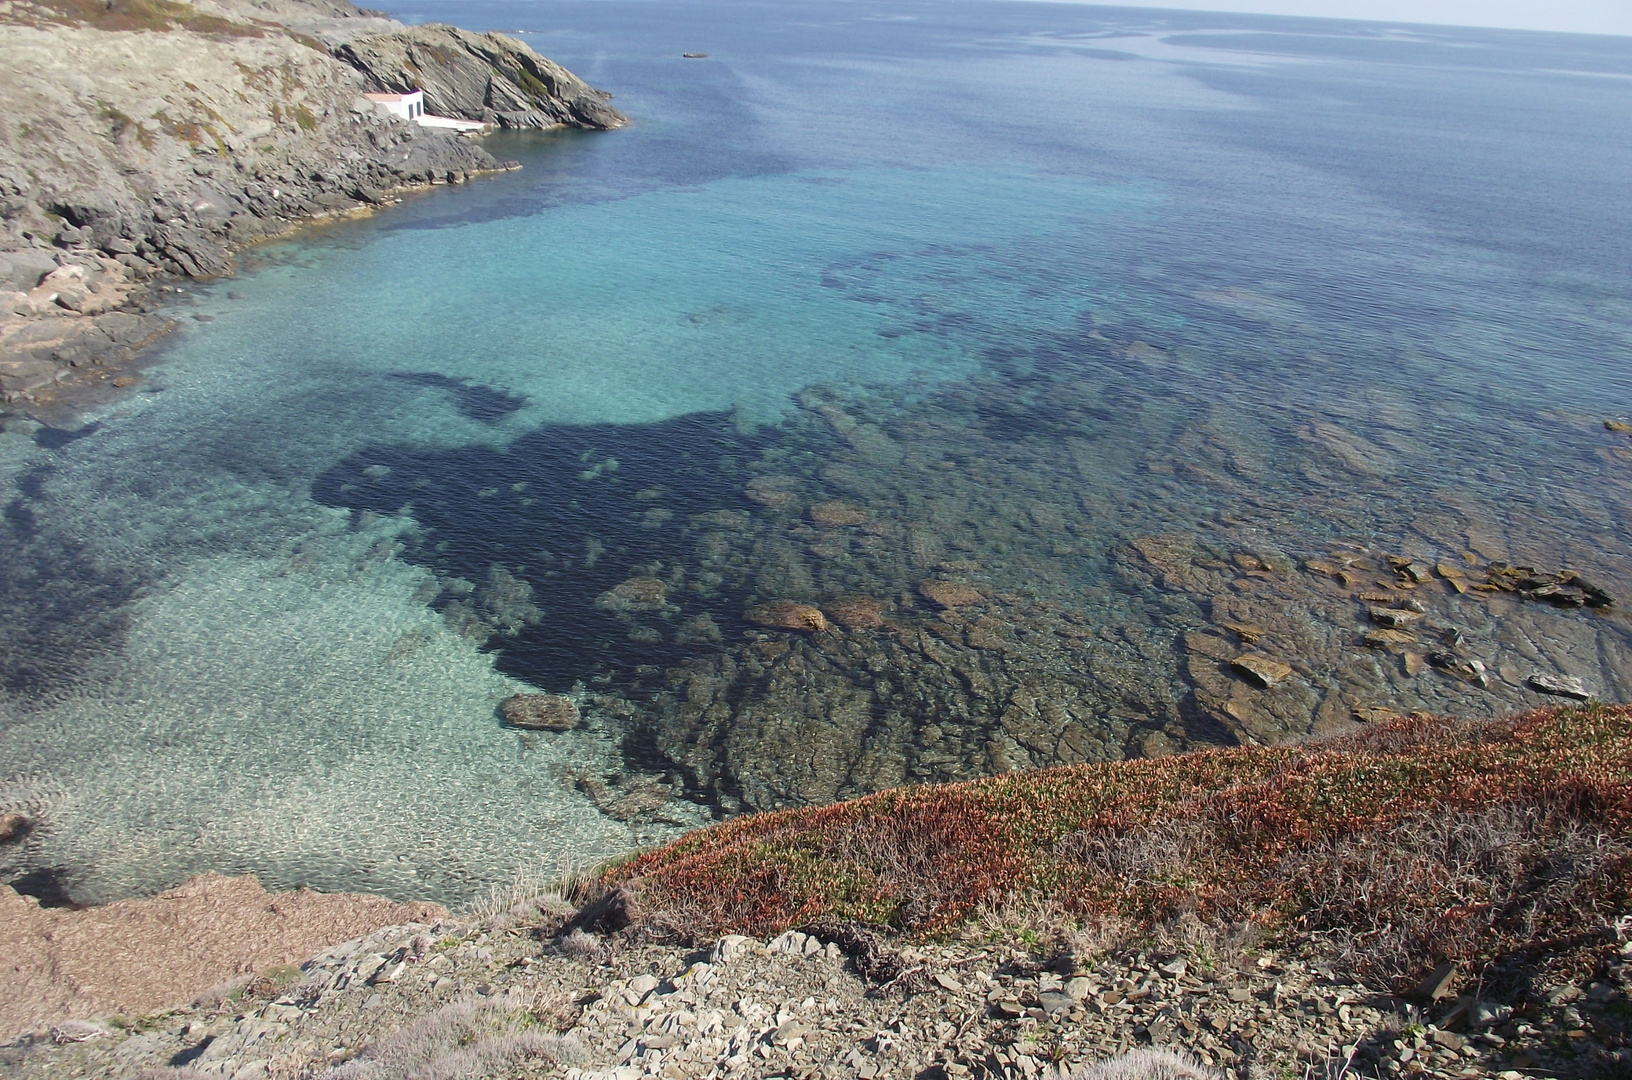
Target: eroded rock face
487 77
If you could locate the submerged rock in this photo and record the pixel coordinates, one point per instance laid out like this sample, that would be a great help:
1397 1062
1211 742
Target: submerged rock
1559 686
626 798
13 827
540 712
1472 671
834 513
636 594
771 491
786 615
950 594
1395 617
1263 670
858 613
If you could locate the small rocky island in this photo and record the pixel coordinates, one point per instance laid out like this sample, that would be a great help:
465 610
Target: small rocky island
144 139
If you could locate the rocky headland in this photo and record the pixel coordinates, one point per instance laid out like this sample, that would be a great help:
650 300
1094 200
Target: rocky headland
144 141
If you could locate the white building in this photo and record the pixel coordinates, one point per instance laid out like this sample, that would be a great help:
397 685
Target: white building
411 106
408 106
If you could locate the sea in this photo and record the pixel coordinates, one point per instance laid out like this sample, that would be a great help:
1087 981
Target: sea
914 390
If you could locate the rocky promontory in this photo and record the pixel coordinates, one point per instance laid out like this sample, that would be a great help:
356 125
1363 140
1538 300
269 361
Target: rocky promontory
141 139
488 77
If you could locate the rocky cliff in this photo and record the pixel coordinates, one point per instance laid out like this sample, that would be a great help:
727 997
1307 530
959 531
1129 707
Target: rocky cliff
140 138
486 77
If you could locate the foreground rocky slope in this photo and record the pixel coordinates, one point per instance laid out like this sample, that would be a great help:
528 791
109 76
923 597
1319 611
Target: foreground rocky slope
462 1000
145 137
1438 899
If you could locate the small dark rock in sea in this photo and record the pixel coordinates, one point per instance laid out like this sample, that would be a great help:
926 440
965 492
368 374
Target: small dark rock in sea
1263 671
1395 617
13 827
1558 685
786 615
1472 671
694 56
540 712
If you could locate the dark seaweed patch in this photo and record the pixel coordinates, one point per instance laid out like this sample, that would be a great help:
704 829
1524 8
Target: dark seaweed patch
572 512
58 608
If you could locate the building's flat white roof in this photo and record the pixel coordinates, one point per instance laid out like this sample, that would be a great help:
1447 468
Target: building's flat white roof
427 120
393 97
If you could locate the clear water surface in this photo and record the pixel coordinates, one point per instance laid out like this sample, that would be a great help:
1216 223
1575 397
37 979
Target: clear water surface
1117 317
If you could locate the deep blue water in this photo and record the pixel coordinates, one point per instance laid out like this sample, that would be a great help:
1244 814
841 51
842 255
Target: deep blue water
1021 286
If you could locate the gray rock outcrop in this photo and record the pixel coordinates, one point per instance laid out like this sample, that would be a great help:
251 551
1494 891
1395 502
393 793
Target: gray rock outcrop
140 140
487 77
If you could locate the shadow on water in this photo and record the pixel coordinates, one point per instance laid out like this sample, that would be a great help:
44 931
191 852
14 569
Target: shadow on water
526 539
48 885
59 609
474 401
56 438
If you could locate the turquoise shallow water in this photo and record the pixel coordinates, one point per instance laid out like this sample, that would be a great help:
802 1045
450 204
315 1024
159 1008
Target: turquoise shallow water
1009 290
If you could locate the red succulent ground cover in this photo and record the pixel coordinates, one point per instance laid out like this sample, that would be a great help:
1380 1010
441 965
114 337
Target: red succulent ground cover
1421 839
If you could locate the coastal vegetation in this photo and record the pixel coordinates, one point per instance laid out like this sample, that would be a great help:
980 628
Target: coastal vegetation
1500 846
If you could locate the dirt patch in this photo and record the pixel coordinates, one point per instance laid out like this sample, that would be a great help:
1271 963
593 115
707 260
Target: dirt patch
137 956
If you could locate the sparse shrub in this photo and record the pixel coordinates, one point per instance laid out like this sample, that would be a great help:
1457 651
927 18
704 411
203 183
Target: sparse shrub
581 946
1438 887
537 896
461 1041
273 981
224 993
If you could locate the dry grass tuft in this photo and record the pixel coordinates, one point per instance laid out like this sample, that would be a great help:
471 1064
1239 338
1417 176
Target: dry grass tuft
1148 1065
581 946
462 1041
223 993
1497 844
535 897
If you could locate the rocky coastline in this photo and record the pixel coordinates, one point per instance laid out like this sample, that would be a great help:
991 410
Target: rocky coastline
145 141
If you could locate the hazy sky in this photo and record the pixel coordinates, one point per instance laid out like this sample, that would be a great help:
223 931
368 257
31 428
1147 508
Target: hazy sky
1575 16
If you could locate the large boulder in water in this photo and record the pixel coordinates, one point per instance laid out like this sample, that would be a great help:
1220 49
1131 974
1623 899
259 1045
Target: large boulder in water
487 77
